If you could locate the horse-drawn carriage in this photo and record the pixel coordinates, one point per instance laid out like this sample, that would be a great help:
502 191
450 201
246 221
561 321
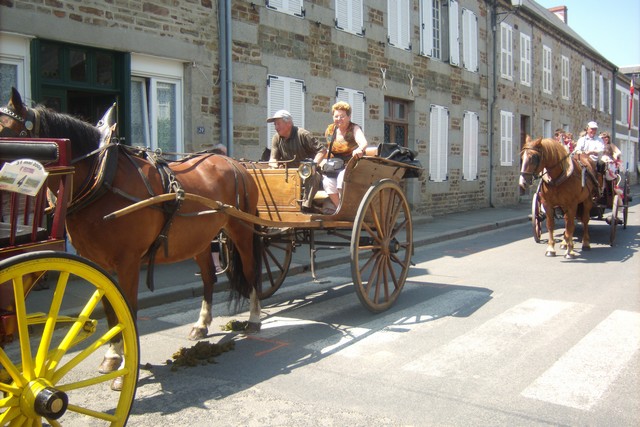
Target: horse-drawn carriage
124 206
569 187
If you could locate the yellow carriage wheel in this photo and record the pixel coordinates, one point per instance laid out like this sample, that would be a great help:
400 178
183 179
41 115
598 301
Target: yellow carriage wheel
58 337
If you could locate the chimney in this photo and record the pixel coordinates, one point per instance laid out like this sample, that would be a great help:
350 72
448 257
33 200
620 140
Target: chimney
561 12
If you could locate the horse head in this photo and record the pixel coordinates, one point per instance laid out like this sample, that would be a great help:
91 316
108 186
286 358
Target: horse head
16 119
531 160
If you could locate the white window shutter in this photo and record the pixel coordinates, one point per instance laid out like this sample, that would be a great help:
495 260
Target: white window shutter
284 93
356 99
426 28
470 146
438 143
469 40
454 33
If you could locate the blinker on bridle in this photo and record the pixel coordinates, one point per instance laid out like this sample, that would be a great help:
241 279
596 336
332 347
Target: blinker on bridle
27 124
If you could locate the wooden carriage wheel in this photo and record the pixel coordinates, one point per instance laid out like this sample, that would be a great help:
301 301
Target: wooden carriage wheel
626 188
537 216
49 372
276 258
617 202
381 245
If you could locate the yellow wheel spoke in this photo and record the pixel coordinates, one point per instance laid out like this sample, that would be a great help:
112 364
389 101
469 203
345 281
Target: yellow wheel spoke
60 373
93 381
50 324
69 340
12 370
23 330
91 413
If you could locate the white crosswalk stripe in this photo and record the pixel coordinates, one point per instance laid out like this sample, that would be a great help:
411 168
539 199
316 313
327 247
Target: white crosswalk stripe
585 372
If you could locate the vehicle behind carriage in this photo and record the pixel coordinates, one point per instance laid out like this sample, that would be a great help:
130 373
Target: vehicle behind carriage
52 324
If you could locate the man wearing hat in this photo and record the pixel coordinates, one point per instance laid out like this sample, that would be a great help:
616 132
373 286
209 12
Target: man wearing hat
591 143
293 144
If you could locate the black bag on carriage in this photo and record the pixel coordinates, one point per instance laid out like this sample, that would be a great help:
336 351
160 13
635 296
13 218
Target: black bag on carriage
398 153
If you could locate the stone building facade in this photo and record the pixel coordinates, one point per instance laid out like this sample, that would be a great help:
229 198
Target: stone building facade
439 76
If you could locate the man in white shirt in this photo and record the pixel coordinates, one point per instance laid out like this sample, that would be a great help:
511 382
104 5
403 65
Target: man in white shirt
591 143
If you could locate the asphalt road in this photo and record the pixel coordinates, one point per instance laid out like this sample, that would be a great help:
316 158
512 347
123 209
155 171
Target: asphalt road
487 332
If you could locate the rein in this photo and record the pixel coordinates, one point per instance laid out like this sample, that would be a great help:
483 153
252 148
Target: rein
546 171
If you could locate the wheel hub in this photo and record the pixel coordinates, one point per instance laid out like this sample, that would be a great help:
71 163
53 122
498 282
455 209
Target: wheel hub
41 399
394 246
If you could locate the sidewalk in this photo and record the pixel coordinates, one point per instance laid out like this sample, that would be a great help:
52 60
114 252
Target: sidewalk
178 281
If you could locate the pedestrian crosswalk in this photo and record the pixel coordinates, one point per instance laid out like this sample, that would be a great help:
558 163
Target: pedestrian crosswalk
547 350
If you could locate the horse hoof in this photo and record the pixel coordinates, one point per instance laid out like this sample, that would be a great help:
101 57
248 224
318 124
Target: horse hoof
198 333
550 254
116 384
570 256
586 248
253 328
109 364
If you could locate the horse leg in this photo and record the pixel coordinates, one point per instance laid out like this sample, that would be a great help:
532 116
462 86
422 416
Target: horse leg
128 276
551 250
254 324
570 219
207 272
586 216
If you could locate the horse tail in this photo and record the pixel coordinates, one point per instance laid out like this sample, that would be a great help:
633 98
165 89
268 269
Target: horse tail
240 285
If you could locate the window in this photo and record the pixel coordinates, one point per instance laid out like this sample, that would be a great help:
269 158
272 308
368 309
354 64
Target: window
546 129
592 92
601 98
356 99
564 76
14 66
285 93
156 103
396 121
438 143
469 40
399 30
290 7
506 51
547 81
506 138
584 86
454 34
349 16
525 59
470 146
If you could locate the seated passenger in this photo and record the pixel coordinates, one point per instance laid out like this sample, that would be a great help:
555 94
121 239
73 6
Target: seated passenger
345 139
611 156
294 145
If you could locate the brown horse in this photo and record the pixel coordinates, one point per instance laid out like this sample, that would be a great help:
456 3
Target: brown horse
110 177
568 182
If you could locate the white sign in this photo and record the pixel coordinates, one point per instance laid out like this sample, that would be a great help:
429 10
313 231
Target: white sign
24 176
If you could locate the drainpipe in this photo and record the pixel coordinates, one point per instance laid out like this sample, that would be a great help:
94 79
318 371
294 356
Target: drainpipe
226 81
614 81
494 96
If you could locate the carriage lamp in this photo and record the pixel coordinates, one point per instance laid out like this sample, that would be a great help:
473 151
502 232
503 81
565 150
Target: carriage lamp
306 169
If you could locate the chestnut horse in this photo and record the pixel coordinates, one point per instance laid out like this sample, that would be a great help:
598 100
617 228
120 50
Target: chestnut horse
166 233
568 182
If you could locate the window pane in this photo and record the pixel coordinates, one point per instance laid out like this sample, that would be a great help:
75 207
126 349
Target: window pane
8 79
139 116
399 134
387 133
50 56
104 66
166 104
78 65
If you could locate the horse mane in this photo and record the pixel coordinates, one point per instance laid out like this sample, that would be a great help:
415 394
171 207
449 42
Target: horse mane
84 136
